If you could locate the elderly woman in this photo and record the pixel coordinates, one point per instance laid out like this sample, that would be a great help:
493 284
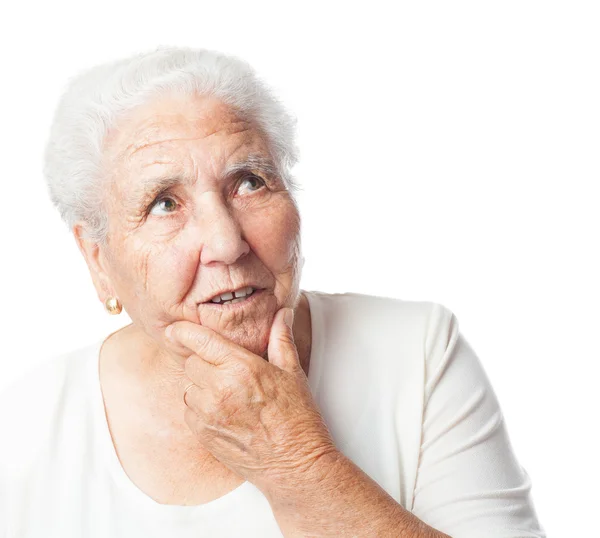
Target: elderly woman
235 403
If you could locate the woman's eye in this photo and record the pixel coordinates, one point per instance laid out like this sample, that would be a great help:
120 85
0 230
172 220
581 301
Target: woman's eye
258 182
169 205
172 204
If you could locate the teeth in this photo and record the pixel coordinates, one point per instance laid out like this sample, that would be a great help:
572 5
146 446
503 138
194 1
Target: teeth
242 292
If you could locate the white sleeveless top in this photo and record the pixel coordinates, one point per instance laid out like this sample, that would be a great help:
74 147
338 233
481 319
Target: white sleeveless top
404 396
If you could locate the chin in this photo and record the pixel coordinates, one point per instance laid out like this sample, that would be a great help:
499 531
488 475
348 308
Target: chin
256 341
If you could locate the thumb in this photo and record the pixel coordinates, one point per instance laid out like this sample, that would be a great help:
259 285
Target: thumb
282 349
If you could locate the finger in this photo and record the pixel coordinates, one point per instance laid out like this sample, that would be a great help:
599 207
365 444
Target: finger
203 402
200 371
206 343
192 396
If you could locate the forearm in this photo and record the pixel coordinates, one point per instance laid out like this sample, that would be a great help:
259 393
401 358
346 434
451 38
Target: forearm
336 498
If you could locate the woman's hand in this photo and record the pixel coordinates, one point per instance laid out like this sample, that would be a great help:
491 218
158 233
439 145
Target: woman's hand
256 417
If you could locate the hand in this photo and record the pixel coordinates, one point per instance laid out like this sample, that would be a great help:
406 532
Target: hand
257 417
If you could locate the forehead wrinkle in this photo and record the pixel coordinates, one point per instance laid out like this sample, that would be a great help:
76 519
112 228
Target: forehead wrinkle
243 125
125 154
157 161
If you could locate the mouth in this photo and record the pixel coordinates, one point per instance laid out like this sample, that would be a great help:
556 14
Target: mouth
229 301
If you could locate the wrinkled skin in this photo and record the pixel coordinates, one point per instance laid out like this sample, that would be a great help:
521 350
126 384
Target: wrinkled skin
167 254
163 264
257 417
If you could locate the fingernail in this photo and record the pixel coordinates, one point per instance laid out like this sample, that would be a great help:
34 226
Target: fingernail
288 317
168 332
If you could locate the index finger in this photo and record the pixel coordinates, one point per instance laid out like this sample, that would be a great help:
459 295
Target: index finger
206 343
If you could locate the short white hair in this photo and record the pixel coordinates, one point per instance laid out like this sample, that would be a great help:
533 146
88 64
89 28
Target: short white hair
95 99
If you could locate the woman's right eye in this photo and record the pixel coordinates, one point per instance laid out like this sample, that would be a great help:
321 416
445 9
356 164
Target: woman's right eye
159 201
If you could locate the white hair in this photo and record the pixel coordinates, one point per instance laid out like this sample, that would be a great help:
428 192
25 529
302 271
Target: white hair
97 97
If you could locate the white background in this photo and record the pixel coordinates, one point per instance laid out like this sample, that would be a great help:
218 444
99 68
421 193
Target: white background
449 152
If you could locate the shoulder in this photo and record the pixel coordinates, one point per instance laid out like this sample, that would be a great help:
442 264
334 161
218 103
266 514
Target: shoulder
401 339
425 322
31 406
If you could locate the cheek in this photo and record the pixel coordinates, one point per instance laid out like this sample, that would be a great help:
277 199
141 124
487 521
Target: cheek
275 236
171 271
159 271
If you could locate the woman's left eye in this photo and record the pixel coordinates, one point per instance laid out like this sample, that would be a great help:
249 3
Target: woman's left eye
258 181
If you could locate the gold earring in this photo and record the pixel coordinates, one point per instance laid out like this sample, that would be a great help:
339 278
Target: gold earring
112 305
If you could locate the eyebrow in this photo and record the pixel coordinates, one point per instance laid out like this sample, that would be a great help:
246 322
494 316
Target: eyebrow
150 188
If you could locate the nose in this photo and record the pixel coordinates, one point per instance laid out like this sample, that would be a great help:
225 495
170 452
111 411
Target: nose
220 232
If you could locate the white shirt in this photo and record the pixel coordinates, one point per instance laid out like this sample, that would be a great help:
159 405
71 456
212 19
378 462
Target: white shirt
401 390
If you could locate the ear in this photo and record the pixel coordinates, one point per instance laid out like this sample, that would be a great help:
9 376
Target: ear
95 258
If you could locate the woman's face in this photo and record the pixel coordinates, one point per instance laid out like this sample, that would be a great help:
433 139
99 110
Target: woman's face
172 248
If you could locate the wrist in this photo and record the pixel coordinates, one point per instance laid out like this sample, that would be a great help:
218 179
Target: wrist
306 479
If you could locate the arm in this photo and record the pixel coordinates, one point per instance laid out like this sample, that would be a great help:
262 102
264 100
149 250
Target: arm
469 482
335 498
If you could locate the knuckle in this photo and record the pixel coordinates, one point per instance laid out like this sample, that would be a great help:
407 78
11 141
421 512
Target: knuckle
212 408
200 343
240 369
226 388
225 393
287 339
226 356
